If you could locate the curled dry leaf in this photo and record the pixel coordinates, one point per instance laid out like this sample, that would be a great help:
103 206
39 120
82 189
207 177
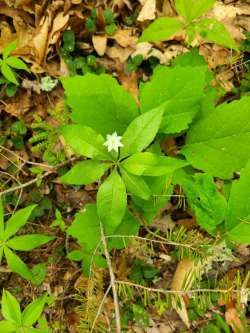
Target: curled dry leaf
41 39
148 10
100 44
120 53
59 23
124 38
183 280
147 50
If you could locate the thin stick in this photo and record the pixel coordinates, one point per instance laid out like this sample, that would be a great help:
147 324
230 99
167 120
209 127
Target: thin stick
179 292
100 308
112 280
32 181
24 160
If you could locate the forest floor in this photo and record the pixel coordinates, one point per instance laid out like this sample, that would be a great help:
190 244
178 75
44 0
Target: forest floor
30 143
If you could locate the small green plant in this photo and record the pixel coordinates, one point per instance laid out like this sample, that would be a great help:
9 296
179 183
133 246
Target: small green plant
142 273
16 321
16 133
121 157
9 242
8 64
190 20
77 64
45 139
134 63
110 26
130 161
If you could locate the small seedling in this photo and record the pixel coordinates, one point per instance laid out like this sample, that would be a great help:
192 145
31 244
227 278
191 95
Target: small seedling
10 243
192 22
8 64
16 321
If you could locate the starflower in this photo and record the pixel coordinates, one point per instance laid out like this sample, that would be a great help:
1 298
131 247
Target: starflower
113 142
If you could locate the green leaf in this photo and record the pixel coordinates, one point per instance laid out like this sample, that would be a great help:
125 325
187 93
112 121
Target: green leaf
161 189
33 311
100 103
219 143
135 185
89 262
206 202
39 272
10 48
86 228
17 63
85 172
10 308
111 202
191 58
7 326
148 164
237 221
19 219
1 220
1 254
8 73
180 93
75 255
161 29
192 9
128 227
28 242
16 265
215 32
240 233
85 141
141 132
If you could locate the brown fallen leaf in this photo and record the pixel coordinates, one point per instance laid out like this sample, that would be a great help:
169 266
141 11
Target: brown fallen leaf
130 82
124 38
100 44
215 55
118 5
183 279
41 39
18 105
232 317
120 53
59 24
148 10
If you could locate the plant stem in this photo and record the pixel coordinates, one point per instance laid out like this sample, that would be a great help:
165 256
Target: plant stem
112 280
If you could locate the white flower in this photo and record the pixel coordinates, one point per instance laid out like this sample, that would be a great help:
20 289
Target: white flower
113 142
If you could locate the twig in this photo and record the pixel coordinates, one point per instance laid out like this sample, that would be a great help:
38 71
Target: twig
32 181
179 292
42 165
112 280
100 308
